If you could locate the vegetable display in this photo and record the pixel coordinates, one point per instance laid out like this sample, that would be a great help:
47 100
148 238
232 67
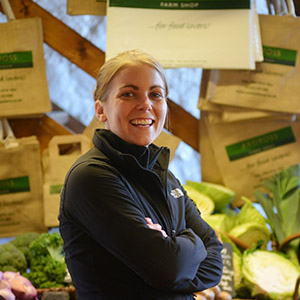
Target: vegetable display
259 270
14 286
269 274
247 225
12 259
37 261
280 200
220 194
23 241
48 267
203 202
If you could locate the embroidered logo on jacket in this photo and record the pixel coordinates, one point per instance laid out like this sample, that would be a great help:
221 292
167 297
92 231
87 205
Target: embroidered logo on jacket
176 193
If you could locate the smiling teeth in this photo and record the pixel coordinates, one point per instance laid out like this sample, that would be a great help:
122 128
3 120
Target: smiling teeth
141 122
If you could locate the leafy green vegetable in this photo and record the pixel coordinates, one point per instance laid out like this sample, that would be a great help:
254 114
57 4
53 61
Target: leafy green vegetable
220 222
237 268
251 233
48 268
23 241
220 194
203 202
12 259
249 214
269 274
281 203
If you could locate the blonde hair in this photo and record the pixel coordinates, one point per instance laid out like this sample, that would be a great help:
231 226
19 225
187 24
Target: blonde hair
113 65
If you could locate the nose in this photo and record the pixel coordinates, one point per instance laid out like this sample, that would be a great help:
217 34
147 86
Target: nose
145 103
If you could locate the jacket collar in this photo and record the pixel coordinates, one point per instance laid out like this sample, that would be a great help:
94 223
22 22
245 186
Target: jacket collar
116 148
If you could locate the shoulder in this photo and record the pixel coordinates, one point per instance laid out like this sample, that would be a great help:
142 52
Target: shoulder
91 167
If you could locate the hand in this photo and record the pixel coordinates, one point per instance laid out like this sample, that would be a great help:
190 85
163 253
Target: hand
155 226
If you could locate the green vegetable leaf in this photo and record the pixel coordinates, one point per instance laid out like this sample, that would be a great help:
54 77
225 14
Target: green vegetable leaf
281 203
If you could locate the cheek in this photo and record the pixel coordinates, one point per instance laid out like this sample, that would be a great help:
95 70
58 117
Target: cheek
163 111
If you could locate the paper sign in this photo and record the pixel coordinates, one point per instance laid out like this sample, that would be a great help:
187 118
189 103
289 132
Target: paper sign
205 34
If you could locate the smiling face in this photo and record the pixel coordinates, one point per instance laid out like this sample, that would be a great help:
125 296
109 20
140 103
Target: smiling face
135 108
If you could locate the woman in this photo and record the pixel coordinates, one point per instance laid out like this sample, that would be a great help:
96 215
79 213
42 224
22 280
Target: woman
129 228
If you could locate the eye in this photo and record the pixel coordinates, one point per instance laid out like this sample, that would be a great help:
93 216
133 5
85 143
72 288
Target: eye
127 95
157 95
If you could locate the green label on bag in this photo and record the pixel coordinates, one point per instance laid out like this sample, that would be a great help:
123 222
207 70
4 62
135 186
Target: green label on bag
55 189
14 185
260 143
176 4
16 60
279 56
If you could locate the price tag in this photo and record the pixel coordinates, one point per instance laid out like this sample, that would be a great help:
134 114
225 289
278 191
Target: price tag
227 280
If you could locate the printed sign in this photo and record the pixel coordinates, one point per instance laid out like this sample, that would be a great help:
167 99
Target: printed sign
205 34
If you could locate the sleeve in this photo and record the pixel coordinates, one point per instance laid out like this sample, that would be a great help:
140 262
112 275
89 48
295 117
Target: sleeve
210 268
105 207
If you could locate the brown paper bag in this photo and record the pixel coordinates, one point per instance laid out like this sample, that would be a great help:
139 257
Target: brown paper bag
86 7
51 203
249 152
23 82
274 84
210 171
21 187
230 113
90 129
62 152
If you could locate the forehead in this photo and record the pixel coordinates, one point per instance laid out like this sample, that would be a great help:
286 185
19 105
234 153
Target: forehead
138 73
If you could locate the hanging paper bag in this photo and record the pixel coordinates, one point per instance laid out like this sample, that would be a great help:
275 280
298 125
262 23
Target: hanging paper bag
23 82
229 113
62 152
86 7
274 84
210 171
249 152
21 186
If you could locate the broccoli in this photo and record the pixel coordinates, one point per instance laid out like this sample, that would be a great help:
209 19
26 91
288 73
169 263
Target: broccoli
48 268
23 241
12 259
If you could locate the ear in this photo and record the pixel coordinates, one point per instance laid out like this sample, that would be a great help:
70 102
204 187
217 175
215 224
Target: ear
99 111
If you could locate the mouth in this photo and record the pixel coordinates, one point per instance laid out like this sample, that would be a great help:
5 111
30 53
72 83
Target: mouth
142 122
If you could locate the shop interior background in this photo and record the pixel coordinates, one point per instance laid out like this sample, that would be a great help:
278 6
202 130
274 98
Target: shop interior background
71 89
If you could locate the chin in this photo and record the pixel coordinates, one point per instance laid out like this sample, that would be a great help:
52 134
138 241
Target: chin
143 142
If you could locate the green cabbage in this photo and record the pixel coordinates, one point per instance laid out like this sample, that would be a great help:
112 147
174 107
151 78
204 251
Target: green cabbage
203 202
221 222
249 213
220 194
269 274
251 234
237 268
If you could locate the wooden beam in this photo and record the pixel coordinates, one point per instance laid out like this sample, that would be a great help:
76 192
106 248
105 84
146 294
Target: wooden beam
42 127
89 58
183 125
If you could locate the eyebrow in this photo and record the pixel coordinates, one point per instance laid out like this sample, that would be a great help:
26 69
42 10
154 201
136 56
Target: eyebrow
136 88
